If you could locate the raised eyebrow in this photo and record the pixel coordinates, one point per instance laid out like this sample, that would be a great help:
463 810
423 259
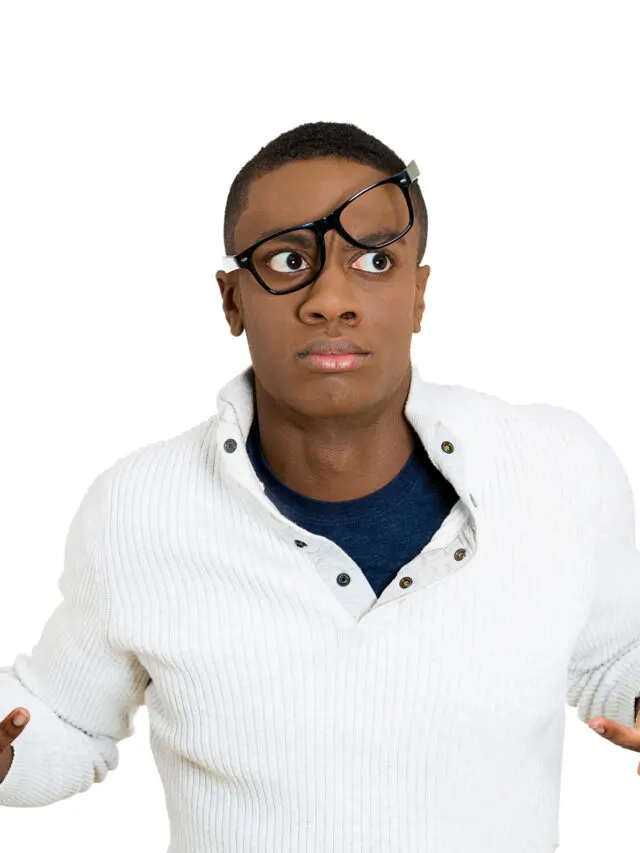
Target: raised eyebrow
302 237
381 236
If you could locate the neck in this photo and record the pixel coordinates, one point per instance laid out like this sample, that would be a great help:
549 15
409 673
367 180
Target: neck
336 460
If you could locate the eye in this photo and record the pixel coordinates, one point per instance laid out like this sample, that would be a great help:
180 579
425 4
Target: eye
382 262
292 263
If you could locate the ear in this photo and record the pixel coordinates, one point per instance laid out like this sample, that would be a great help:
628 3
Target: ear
422 274
231 300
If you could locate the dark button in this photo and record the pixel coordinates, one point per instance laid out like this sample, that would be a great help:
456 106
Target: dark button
447 446
459 554
300 544
343 579
405 582
230 445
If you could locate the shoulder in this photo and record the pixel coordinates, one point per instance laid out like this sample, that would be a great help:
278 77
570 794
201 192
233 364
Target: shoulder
567 428
157 463
595 464
573 429
546 427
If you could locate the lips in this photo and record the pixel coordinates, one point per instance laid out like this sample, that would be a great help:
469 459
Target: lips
337 347
345 362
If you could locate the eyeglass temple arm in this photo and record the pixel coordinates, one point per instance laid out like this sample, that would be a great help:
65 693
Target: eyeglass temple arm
412 170
229 264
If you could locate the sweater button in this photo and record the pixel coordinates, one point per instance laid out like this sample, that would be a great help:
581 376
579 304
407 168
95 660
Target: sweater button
405 582
447 446
230 445
459 554
343 579
300 543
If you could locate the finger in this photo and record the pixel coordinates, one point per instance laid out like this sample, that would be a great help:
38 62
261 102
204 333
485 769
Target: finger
624 736
9 730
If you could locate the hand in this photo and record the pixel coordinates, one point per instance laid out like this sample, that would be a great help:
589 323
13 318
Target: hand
8 733
627 737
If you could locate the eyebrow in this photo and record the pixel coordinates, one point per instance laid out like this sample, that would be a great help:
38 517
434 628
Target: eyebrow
300 238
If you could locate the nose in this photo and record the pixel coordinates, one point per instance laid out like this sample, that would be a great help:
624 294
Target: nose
336 250
329 296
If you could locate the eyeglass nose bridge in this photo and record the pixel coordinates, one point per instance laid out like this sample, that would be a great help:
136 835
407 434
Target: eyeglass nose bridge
321 227
330 222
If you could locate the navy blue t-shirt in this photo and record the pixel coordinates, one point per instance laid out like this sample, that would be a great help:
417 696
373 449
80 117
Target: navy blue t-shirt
381 532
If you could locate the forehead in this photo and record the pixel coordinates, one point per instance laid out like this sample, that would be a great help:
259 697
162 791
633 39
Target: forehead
299 192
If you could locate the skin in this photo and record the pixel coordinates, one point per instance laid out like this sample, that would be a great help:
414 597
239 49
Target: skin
328 436
9 731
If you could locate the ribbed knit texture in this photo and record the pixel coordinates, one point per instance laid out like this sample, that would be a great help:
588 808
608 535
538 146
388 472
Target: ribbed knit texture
293 710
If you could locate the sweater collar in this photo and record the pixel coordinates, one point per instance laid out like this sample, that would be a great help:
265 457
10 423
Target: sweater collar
445 417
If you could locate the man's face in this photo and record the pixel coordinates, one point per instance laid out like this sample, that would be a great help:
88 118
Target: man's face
379 311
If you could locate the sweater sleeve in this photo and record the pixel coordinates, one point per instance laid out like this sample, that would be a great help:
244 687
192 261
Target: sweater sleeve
81 690
604 669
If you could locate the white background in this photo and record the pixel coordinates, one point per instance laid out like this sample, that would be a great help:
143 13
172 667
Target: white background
123 125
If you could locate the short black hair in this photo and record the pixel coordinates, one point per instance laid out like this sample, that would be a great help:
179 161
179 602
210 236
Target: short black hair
310 141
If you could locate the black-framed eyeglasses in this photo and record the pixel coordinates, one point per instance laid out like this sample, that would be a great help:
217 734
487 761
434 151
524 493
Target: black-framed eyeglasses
371 219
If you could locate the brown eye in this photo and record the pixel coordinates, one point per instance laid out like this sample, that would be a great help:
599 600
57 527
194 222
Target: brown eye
381 262
292 263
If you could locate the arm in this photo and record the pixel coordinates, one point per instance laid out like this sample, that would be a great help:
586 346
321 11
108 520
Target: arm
604 670
81 691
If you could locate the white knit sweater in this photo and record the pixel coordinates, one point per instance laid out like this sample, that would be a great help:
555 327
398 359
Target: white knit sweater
291 713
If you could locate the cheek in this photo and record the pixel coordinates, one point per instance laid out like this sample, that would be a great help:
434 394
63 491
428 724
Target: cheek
395 311
266 333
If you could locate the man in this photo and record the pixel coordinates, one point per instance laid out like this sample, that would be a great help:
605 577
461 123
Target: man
354 601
